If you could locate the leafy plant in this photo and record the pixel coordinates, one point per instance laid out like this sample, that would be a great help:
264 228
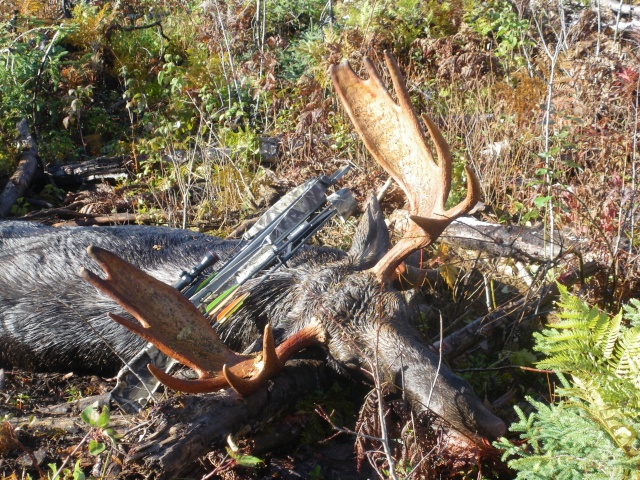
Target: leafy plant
66 473
593 427
243 460
234 458
99 421
498 20
27 77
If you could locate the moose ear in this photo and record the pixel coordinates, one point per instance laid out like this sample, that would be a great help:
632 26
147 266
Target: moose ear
371 238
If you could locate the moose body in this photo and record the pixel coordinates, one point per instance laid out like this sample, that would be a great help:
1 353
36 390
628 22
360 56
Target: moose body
47 312
343 301
51 320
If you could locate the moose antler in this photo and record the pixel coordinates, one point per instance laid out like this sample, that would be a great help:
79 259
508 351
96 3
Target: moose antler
174 325
395 138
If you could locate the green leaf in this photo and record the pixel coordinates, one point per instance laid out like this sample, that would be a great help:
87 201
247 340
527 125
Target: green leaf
540 202
571 164
613 334
76 104
109 432
78 474
96 448
248 461
103 419
90 415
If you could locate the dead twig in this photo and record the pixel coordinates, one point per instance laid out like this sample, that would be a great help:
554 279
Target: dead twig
12 437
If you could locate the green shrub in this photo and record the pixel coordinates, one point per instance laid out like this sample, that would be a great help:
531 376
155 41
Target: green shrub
498 20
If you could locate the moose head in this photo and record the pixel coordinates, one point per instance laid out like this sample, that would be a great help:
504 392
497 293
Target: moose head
345 304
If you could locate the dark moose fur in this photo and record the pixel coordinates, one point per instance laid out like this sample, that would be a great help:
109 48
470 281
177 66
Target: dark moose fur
46 308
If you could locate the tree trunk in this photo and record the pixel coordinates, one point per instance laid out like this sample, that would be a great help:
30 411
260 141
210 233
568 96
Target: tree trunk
94 169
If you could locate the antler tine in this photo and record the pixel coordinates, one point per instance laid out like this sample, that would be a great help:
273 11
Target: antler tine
377 118
271 365
404 100
174 325
443 153
233 376
444 157
273 359
395 138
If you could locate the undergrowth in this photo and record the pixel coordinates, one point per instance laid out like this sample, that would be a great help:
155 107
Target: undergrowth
205 81
590 429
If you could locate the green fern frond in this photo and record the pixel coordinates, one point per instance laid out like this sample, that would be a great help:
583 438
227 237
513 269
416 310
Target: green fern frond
626 355
613 335
632 312
601 328
569 305
585 339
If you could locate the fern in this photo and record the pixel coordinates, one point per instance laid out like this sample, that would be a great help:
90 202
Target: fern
588 342
632 312
88 26
593 429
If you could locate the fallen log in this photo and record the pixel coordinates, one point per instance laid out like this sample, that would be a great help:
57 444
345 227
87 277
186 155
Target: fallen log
93 169
66 417
87 219
622 8
56 424
55 212
117 168
511 241
187 427
115 219
27 166
182 429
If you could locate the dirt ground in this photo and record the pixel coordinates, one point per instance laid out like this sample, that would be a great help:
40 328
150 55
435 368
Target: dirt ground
50 431
42 431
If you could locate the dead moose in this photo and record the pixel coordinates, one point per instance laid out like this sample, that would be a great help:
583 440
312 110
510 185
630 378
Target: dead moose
341 301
